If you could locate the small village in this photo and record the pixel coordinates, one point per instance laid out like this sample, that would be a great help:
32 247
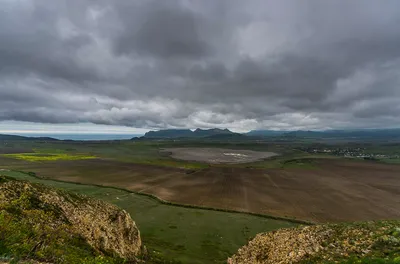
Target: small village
349 152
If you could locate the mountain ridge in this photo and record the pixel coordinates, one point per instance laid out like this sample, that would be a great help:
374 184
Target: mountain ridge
187 133
393 133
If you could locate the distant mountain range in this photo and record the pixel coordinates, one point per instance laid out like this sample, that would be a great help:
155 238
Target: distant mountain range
348 134
226 134
187 133
14 137
264 133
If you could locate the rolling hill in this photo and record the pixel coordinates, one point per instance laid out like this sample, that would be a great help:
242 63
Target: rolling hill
15 138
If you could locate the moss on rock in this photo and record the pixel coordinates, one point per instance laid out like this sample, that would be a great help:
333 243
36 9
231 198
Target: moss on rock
367 242
50 225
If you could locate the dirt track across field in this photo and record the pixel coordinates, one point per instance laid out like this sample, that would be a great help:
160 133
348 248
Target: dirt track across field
337 190
217 155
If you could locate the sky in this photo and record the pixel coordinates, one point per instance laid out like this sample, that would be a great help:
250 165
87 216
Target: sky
105 65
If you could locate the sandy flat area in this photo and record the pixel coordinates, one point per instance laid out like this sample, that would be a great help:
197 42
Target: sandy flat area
217 155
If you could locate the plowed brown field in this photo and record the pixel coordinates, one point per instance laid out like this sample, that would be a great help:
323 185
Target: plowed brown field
336 190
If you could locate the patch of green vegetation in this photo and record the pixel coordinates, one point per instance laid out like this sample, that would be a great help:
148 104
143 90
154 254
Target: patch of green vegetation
369 260
176 164
305 163
35 157
293 160
390 161
175 234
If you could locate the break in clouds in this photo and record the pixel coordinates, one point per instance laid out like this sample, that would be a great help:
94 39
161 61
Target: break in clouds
198 63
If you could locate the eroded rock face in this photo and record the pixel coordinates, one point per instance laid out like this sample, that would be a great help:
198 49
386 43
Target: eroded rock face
376 240
283 246
25 262
104 226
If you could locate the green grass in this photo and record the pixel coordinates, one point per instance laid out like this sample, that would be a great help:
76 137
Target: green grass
304 163
390 161
182 235
29 237
368 260
35 157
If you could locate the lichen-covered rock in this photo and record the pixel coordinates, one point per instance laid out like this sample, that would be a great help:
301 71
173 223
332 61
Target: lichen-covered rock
24 262
104 226
324 243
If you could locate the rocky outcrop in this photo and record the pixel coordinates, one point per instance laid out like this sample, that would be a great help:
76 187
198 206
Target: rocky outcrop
374 241
24 262
105 227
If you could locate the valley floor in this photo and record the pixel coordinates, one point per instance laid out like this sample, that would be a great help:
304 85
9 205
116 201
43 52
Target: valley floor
333 191
174 234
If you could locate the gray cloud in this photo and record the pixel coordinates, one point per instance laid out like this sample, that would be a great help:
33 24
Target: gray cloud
242 65
163 31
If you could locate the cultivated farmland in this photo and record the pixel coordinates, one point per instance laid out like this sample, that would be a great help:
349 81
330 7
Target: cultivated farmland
334 190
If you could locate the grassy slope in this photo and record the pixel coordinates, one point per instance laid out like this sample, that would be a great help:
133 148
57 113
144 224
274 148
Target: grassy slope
31 231
177 233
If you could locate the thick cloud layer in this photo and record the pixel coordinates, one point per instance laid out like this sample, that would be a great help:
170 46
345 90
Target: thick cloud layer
237 64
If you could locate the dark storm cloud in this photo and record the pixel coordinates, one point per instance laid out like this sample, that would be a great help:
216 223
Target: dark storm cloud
30 42
164 31
180 63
